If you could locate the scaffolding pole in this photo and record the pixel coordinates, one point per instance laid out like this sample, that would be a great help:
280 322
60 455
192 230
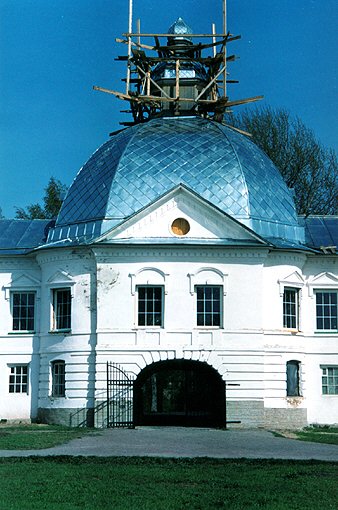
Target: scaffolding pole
225 48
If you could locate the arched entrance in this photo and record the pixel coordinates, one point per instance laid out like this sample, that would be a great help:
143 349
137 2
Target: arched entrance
179 392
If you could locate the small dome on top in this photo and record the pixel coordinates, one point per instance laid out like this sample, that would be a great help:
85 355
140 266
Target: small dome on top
181 29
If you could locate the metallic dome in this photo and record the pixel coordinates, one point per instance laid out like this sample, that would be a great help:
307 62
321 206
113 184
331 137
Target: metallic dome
181 29
140 164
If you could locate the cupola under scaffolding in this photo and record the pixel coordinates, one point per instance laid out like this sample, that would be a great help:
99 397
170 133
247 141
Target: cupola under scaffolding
181 75
177 78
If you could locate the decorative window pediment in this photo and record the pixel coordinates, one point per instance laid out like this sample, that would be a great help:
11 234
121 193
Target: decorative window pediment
208 276
60 278
294 280
323 280
21 282
149 276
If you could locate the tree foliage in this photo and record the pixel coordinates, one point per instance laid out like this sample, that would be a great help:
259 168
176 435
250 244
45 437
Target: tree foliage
52 202
307 167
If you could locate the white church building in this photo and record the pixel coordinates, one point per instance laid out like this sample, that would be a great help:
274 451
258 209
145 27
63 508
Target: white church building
177 286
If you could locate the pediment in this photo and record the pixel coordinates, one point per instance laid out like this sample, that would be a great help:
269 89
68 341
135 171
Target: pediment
24 281
60 277
21 282
323 280
205 221
294 279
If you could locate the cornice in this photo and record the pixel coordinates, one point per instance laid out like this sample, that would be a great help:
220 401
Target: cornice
107 254
293 257
20 263
60 256
323 260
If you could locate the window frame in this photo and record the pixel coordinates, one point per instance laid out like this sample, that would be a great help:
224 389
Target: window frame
13 308
323 317
55 317
326 375
298 392
296 291
204 312
145 312
56 376
18 379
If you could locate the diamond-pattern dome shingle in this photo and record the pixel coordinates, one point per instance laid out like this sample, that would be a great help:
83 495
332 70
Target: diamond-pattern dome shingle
141 163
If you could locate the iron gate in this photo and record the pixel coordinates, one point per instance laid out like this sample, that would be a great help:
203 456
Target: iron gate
120 386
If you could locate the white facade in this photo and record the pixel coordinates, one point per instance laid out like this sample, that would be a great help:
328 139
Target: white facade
250 347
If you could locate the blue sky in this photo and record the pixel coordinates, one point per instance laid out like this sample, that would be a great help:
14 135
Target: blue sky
53 51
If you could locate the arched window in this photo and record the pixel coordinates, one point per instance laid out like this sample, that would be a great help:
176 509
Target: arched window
293 378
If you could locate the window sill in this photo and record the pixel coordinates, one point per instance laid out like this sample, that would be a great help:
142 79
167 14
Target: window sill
59 331
19 332
326 332
206 328
156 328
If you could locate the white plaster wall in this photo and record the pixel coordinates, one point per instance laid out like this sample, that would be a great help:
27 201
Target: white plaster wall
251 349
16 348
76 269
117 306
277 268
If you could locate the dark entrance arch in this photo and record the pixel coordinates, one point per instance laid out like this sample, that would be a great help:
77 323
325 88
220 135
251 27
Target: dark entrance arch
179 392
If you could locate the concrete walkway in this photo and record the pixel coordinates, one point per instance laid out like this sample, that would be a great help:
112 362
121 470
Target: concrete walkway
187 442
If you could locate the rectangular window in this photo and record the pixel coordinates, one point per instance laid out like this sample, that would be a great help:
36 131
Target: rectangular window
58 378
61 309
326 310
330 380
18 379
290 308
23 310
208 305
293 378
150 306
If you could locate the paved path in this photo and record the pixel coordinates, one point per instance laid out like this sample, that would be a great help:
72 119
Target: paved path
187 442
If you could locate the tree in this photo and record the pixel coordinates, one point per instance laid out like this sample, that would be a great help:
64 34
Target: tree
307 167
2 217
52 202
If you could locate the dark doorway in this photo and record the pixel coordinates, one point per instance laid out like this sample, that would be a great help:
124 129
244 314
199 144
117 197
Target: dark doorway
179 392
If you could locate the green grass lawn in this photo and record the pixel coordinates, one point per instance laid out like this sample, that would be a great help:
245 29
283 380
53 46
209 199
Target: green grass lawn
67 483
319 434
34 437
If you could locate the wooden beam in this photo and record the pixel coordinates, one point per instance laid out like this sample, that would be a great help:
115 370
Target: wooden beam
138 45
237 129
243 101
144 99
209 84
229 37
153 82
177 85
120 95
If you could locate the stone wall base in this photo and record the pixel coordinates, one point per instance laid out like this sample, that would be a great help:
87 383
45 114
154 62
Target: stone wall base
253 414
68 417
285 418
249 412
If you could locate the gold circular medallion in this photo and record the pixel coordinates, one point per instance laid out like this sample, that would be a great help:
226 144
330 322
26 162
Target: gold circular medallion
180 227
